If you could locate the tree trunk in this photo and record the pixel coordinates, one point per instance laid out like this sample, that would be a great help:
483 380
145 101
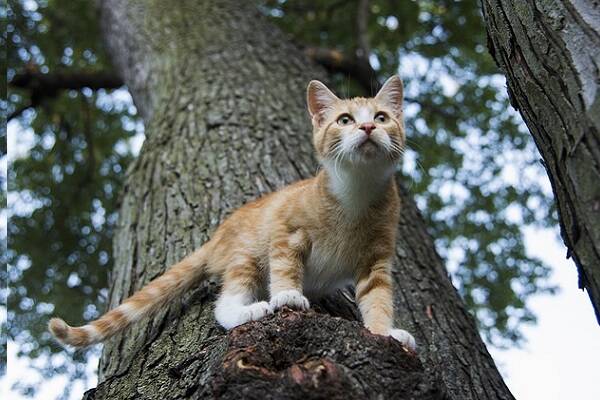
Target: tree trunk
222 93
550 53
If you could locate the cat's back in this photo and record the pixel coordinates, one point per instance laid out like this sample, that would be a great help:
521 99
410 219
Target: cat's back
254 221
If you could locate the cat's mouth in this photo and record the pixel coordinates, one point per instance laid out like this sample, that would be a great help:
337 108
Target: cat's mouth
368 147
367 140
368 144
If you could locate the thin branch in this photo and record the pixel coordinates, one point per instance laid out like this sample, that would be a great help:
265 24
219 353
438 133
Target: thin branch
41 86
335 61
362 24
361 71
50 84
18 112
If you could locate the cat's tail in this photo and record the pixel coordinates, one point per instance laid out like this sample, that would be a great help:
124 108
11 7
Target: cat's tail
173 283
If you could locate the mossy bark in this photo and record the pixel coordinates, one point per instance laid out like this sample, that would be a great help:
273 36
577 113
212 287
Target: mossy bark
549 51
222 94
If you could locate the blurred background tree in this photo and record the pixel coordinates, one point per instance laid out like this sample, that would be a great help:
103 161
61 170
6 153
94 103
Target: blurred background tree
471 164
3 276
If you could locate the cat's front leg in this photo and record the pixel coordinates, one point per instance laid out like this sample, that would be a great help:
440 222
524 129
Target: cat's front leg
286 270
375 301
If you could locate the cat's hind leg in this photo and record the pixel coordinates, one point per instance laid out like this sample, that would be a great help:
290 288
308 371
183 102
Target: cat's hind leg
237 303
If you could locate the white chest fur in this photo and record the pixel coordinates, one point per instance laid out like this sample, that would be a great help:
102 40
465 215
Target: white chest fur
329 266
357 187
333 261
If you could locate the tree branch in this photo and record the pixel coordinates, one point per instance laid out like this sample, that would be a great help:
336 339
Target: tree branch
362 21
361 71
297 355
18 111
42 86
335 61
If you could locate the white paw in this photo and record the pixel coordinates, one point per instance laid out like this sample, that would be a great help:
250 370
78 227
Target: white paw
290 298
230 315
404 337
256 311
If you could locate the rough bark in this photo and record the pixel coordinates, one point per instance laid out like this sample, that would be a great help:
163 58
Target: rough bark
550 53
222 94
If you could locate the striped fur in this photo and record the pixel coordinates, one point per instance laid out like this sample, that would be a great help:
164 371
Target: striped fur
174 282
307 239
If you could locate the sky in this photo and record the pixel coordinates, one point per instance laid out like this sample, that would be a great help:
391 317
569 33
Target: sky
559 361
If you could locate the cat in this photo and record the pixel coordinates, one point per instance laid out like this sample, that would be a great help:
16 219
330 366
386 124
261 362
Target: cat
307 239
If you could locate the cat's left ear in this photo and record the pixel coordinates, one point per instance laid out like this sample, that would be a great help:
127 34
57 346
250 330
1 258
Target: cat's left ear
392 94
319 100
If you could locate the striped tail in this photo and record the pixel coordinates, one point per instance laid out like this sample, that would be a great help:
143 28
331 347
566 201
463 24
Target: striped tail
173 283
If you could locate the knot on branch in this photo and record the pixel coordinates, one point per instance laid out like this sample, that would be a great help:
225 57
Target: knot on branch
306 355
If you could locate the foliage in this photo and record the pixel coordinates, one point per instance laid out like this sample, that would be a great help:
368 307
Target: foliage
64 194
3 275
471 165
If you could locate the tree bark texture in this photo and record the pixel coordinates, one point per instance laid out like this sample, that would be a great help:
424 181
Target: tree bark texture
550 53
222 93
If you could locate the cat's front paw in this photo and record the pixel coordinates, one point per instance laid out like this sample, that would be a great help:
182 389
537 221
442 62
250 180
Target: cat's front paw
290 298
404 337
231 315
256 311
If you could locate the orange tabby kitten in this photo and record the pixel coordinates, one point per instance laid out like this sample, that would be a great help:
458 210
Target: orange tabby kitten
309 238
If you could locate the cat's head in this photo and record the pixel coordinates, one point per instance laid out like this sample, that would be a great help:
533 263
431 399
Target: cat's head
357 131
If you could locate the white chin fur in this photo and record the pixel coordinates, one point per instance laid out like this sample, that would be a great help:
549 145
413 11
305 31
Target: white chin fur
353 151
357 186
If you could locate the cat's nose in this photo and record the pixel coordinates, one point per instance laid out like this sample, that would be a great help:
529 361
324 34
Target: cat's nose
367 127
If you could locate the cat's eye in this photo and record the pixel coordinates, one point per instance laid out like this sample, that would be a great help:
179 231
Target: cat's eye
380 117
345 120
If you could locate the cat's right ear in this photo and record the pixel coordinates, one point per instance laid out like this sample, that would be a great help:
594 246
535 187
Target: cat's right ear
319 99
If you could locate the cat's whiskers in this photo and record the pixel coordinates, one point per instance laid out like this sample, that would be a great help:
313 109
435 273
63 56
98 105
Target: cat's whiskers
337 152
